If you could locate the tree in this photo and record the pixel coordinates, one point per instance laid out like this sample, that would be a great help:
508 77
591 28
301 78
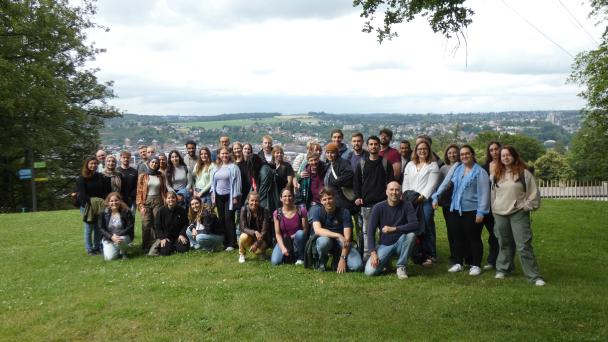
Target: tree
588 154
448 17
52 105
553 166
590 70
529 148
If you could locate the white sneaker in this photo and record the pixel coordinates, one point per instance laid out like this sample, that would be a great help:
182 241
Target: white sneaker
539 282
499 275
299 262
475 271
229 249
455 268
401 273
241 259
488 267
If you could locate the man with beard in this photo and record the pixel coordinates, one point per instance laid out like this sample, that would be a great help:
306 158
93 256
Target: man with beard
389 153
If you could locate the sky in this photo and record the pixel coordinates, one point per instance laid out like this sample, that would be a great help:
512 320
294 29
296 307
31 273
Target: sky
209 57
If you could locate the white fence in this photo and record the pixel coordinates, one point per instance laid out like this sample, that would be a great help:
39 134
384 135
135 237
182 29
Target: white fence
592 190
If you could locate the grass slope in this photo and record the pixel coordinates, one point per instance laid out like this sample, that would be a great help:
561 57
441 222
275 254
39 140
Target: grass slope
50 290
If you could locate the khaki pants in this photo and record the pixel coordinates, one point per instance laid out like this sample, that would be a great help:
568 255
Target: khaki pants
152 205
246 241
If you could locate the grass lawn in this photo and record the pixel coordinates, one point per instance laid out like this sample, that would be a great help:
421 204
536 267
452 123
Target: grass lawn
221 123
51 290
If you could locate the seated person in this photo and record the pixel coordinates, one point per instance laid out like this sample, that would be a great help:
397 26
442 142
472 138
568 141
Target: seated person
396 220
170 227
291 231
334 228
255 224
116 227
204 231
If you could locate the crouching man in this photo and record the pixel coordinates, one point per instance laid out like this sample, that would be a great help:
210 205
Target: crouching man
396 220
334 228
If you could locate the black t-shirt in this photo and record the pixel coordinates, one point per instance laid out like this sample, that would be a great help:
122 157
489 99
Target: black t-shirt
283 171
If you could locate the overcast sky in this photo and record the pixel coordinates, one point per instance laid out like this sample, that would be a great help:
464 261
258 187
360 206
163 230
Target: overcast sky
205 57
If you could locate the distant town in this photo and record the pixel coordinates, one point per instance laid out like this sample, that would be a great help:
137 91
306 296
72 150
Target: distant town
293 131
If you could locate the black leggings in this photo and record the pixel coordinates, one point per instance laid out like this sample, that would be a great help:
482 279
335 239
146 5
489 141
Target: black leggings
226 218
174 246
467 238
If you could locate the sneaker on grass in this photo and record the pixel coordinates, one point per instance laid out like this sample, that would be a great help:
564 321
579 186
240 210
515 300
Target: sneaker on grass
539 282
499 275
455 268
229 249
401 273
241 258
299 262
475 271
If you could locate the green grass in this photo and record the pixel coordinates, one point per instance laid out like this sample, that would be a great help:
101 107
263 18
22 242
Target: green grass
232 123
50 290
245 123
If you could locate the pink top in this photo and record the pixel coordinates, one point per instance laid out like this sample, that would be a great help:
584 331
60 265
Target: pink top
289 226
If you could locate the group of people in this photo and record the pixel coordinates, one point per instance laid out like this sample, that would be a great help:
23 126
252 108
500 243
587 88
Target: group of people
358 207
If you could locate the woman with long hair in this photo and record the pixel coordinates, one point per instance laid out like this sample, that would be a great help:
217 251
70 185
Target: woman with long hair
290 230
491 164
253 164
514 195
151 194
202 175
178 178
451 157
421 175
91 188
170 227
255 228
117 224
204 231
470 202
226 194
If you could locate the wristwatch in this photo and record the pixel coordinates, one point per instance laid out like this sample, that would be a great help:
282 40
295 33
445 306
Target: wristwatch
343 257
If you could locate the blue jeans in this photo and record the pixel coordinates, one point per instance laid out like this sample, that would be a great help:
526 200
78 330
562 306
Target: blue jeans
327 245
91 229
186 195
299 243
429 244
209 242
112 251
403 248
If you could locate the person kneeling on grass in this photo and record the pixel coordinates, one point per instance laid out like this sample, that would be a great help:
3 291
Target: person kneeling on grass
396 220
255 225
334 228
170 228
116 226
291 230
204 231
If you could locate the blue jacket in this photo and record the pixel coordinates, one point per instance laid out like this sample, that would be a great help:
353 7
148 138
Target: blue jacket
475 195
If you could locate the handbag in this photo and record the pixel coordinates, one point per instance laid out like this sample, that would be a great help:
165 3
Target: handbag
445 199
348 192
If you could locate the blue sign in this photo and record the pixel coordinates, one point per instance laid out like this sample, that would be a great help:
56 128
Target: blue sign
25 174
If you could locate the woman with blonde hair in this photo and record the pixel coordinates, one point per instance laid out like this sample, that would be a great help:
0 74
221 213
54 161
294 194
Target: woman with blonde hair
226 195
203 170
116 226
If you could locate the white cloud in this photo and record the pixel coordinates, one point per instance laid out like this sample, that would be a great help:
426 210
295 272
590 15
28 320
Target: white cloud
209 57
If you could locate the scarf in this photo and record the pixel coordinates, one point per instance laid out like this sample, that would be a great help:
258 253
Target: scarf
151 171
461 183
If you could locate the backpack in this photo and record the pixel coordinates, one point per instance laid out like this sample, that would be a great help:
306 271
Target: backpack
384 167
287 241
